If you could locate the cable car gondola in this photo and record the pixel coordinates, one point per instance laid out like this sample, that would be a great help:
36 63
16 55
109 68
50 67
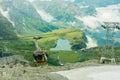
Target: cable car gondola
40 56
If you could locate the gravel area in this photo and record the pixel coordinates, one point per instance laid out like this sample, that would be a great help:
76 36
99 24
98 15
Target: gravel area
18 71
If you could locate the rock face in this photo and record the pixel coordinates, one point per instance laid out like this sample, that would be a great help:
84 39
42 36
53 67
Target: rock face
19 72
13 60
28 74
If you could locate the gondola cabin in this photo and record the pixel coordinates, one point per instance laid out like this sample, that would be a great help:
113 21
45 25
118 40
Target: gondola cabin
40 56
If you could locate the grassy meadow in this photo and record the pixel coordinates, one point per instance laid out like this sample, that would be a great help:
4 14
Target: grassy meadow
25 46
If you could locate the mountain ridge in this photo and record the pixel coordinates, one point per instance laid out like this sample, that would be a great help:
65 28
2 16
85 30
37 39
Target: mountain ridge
36 17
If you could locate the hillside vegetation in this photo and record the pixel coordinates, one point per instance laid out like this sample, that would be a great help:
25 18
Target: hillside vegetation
97 52
25 46
75 36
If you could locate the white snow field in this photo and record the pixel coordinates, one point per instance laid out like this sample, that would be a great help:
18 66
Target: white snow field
93 73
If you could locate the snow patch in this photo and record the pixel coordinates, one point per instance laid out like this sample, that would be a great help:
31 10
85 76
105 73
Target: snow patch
25 29
110 13
44 15
71 23
92 73
91 43
90 21
83 6
6 15
0 1
24 22
104 14
102 75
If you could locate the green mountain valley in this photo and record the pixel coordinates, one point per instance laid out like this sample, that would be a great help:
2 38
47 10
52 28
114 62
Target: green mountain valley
55 39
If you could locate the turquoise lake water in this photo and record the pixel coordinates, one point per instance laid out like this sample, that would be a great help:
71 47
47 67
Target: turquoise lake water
62 44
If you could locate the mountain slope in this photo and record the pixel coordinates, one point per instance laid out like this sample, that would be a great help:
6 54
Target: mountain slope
86 15
24 17
64 12
7 31
39 16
